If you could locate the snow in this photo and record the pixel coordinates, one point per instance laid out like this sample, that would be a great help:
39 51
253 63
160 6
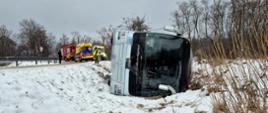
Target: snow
23 95
30 63
82 88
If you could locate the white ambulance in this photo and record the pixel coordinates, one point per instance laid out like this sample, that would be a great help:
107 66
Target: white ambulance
149 64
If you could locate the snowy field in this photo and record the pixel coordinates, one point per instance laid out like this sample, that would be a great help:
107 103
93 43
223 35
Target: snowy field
82 88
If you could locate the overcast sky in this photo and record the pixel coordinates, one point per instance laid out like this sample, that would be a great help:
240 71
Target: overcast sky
85 16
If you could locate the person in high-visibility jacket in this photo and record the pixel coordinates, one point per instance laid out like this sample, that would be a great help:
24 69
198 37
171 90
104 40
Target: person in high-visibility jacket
96 54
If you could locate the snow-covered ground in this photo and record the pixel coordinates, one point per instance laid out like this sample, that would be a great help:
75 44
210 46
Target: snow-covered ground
82 88
30 63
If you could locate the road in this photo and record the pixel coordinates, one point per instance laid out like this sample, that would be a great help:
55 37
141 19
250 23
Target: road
37 66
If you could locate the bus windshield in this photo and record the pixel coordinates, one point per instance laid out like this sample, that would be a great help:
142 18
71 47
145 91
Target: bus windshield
155 59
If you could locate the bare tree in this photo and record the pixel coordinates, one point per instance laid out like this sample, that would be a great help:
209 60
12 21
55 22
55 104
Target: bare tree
34 37
235 27
76 36
106 34
180 23
52 44
136 24
183 18
196 13
87 38
4 32
7 46
205 16
64 39
218 13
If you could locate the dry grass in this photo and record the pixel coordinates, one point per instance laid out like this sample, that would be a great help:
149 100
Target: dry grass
237 85
245 90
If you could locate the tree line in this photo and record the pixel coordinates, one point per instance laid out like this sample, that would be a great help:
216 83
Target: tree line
32 40
225 29
216 28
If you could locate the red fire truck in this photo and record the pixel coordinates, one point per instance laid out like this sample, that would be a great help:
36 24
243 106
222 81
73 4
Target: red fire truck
68 52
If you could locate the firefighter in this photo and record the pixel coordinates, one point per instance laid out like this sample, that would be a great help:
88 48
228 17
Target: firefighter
96 54
60 56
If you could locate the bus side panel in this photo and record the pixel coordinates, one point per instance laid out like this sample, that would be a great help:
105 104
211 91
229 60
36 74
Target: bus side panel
119 55
127 52
115 85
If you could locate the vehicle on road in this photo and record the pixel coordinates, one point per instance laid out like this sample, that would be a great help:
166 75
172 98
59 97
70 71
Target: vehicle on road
101 50
84 52
68 52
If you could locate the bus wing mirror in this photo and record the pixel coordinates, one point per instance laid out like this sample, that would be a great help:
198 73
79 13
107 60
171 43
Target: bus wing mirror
128 63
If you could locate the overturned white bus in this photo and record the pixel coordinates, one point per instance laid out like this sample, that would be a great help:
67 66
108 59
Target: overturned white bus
149 64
